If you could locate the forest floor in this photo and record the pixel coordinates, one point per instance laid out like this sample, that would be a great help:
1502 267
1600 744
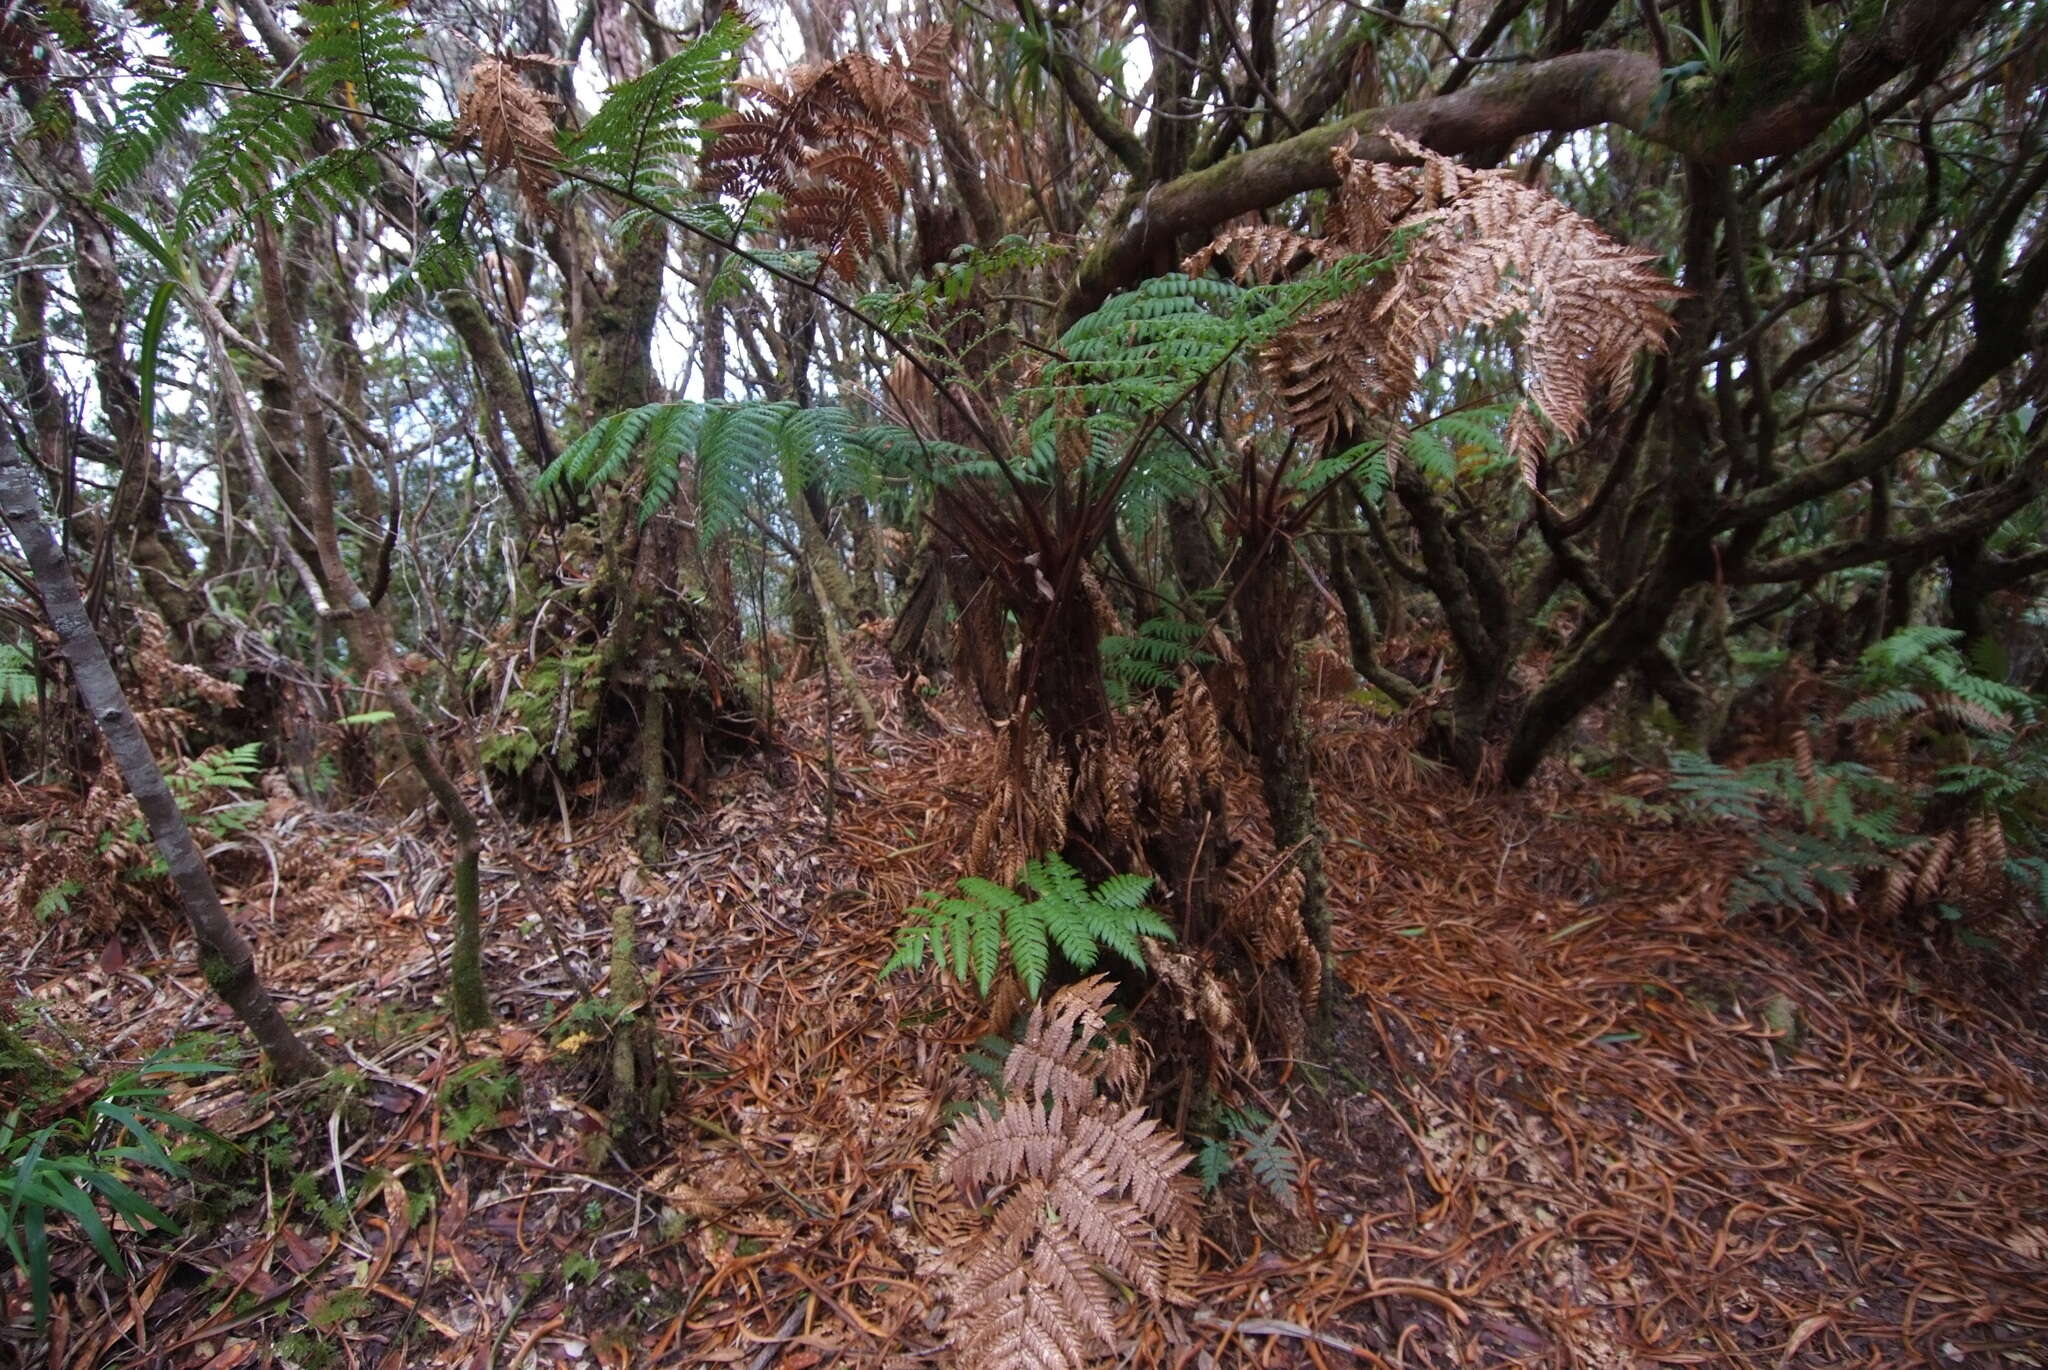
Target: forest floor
1572 1115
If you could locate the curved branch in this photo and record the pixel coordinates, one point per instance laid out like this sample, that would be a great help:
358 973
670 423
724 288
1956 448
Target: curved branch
1971 517
1777 103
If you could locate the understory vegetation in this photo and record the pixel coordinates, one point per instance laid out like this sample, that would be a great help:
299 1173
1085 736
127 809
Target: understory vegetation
1156 685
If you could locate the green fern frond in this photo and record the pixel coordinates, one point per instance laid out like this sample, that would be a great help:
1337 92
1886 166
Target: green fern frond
329 183
443 258
150 115
1273 1163
1154 657
17 676
648 129
737 456
362 54
358 55
1927 663
1907 646
257 136
966 934
202 54
744 453
1715 790
1884 706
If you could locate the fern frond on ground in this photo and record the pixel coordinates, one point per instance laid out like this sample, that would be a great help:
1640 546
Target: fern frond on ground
1063 1179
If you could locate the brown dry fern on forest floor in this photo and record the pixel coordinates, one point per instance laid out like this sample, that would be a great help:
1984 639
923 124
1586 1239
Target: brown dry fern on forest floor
1081 1182
1473 249
1617 1156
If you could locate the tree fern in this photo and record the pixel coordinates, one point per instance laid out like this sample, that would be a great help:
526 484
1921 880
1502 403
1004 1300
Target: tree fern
650 128
966 935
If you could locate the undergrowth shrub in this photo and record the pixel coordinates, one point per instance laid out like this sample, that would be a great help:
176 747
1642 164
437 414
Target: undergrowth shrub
1934 799
63 1172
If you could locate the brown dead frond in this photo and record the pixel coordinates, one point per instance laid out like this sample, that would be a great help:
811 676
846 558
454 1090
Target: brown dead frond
513 125
1264 914
830 139
1081 1182
1473 249
1030 793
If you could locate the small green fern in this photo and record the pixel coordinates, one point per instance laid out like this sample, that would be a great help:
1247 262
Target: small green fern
1249 1135
1922 667
966 935
17 677
1813 839
1152 659
222 768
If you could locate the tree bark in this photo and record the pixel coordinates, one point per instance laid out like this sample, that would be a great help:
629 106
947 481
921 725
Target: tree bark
225 956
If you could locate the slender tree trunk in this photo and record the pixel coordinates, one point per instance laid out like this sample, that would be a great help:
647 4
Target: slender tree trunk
1359 630
370 644
225 957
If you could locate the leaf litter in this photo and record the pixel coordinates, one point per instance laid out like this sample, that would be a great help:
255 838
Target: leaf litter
1570 1115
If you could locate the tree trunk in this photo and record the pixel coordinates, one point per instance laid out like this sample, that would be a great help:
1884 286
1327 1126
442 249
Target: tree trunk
370 644
225 957
1268 610
1359 628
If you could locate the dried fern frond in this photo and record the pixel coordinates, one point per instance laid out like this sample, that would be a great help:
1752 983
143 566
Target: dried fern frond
1934 868
1475 249
829 140
1082 1183
513 126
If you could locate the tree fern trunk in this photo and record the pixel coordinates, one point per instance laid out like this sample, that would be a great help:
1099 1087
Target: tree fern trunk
1269 607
